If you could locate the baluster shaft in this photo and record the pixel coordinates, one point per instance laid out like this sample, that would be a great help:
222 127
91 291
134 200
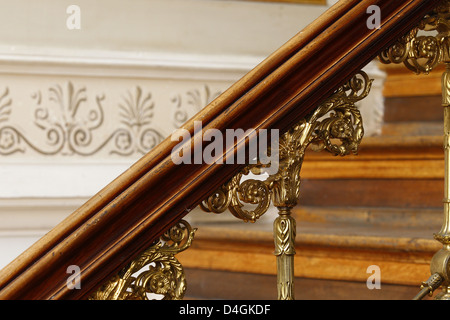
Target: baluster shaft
284 235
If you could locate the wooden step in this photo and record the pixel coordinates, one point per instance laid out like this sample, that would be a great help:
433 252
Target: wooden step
413 103
397 172
380 208
413 109
431 128
214 284
402 82
334 249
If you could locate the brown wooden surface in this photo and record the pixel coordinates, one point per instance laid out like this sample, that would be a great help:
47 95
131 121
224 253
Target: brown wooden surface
402 82
396 171
413 128
375 169
414 108
337 237
131 212
373 193
162 151
212 284
327 251
356 235
412 102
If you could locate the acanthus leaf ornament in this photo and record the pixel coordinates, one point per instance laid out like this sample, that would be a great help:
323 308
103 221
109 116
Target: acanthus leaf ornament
191 102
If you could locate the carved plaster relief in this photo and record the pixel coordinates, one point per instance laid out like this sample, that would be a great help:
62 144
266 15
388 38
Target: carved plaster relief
72 119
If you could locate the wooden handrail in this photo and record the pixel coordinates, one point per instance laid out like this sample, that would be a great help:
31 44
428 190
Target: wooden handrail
136 208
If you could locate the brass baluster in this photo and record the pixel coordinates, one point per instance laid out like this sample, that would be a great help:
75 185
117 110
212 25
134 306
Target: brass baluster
421 54
440 263
284 234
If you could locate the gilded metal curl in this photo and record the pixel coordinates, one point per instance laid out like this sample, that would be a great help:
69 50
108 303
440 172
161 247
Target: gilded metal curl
421 52
156 270
232 195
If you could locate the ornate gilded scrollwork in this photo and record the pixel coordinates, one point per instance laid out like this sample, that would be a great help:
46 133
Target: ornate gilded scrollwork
232 194
345 124
156 270
419 52
335 126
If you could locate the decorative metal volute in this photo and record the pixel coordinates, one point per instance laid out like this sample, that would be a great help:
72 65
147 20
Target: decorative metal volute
155 272
418 51
232 195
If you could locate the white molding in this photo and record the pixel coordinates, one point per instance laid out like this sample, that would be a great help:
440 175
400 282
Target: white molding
56 180
23 221
108 64
34 216
32 175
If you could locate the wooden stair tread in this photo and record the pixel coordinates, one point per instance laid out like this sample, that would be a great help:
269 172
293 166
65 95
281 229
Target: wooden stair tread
413 128
327 234
332 250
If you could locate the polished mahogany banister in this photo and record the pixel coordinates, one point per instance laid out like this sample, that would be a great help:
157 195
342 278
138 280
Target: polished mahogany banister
135 209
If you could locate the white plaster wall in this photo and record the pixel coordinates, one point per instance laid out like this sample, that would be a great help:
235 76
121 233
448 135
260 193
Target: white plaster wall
140 28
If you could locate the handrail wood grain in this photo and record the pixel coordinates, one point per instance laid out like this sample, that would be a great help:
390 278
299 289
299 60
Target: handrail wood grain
136 208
